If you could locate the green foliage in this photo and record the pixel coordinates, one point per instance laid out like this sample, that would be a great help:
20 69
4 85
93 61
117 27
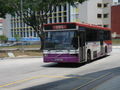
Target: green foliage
3 38
33 12
17 37
14 6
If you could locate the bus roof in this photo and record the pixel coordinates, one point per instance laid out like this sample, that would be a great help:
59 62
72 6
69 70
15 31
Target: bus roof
81 24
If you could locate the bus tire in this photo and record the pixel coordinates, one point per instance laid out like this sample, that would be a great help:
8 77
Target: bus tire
88 56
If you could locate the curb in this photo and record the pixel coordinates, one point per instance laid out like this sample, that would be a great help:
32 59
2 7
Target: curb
20 57
116 47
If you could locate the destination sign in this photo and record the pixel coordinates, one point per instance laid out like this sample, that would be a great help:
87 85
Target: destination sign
59 26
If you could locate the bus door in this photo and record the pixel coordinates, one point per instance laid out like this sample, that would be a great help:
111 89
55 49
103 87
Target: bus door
101 41
82 48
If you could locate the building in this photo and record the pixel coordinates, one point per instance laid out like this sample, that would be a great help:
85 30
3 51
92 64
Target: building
96 12
65 13
118 1
7 26
1 26
115 20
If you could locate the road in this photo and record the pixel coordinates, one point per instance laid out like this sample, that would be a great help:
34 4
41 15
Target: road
33 74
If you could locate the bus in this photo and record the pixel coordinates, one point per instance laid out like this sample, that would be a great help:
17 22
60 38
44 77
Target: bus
75 42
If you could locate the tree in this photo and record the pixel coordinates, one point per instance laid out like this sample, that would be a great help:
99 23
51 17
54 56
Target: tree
17 37
33 12
3 38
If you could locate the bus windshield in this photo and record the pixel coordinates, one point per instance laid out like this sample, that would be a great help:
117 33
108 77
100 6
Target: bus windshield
61 40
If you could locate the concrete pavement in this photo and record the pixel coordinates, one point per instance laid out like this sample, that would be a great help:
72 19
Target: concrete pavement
33 74
116 47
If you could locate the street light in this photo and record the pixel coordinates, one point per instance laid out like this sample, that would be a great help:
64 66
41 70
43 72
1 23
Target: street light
21 6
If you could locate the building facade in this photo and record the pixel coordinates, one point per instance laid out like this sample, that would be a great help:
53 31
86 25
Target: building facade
65 13
115 21
118 1
96 12
1 26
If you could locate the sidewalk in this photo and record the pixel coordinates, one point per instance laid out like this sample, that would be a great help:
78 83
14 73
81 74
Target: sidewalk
116 47
20 57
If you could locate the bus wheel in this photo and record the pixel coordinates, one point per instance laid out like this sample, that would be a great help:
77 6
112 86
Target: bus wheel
88 57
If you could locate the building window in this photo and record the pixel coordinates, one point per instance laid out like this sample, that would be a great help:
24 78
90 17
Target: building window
60 8
99 15
65 7
105 25
55 20
27 33
99 25
24 33
60 14
31 33
55 9
60 20
50 20
65 19
34 34
12 25
65 13
106 15
12 34
105 5
99 5
55 14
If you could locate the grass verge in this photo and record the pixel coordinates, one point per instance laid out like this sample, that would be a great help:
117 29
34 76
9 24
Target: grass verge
116 41
22 46
21 53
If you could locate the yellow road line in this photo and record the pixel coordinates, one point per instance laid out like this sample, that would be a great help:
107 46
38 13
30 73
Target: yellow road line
37 77
92 81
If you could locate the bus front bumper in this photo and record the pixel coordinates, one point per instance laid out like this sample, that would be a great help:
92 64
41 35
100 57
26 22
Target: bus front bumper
64 58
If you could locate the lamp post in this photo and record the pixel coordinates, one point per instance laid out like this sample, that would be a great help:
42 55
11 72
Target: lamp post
21 6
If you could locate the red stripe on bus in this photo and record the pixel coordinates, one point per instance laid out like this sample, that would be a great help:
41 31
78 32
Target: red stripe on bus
108 42
81 24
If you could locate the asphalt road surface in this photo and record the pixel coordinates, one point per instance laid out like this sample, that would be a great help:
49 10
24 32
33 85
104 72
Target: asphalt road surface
33 74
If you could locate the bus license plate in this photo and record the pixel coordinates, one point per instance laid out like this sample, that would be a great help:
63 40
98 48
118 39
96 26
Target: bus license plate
58 59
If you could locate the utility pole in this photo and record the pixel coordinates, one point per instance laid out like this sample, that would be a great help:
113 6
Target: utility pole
21 6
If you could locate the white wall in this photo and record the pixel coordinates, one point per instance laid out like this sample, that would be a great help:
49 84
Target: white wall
93 11
7 26
1 29
89 10
83 13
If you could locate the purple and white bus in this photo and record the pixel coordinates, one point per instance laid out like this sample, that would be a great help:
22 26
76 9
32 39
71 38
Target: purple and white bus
75 42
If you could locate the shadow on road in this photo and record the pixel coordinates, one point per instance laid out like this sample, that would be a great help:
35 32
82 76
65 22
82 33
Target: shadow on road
64 65
78 82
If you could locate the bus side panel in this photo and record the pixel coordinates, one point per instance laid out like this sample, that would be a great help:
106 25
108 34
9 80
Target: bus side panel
96 50
108 44
94 47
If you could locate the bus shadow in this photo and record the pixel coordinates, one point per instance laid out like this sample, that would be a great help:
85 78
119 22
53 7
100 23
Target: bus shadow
64 65
100 58
71 65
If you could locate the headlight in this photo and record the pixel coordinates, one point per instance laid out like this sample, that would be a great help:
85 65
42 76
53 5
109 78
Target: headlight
45 55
